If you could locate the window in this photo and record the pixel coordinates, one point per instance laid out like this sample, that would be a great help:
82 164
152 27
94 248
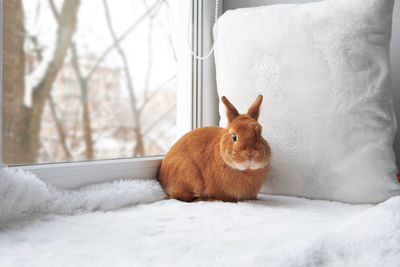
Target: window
111 81
87 80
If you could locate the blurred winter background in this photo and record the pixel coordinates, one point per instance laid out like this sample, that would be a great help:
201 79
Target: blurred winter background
84 80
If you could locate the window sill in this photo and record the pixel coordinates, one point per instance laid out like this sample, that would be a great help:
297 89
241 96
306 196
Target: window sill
76 174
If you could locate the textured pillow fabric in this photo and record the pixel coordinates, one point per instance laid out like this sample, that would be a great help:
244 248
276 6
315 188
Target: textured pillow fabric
328 115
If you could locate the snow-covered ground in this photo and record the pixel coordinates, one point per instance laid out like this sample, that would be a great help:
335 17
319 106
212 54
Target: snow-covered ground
107 228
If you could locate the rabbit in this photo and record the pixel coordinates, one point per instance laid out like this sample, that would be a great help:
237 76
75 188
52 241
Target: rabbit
213 163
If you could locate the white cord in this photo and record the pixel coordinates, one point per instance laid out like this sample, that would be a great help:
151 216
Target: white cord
189 32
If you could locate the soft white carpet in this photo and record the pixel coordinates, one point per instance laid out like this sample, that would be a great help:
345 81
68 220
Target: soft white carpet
272 231
23 195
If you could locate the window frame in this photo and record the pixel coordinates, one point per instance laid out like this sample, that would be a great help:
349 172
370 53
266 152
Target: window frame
1 83
204 88
78 173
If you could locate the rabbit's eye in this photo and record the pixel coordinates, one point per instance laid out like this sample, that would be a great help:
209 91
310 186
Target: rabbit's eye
234 137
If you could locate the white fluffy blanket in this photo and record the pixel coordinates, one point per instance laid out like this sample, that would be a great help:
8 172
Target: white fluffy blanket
110 225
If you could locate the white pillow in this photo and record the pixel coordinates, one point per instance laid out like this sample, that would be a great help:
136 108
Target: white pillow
328 115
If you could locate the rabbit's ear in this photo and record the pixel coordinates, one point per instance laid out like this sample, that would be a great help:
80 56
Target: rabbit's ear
254 110
231 111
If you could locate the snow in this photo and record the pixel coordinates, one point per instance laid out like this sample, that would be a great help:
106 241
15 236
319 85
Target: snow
129 223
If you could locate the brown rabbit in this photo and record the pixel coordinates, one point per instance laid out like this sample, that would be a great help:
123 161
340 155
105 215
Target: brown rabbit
214 163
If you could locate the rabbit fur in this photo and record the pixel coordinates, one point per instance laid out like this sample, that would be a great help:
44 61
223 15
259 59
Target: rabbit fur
213 163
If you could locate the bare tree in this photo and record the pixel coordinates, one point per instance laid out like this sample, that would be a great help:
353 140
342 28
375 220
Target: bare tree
21 129
139 146
84 80
84 88
22 123
154 8
38 50
60 129
65 31
150 52
13 81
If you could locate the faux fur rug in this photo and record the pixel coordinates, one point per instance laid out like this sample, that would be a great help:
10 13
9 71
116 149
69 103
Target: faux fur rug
111 225
23 195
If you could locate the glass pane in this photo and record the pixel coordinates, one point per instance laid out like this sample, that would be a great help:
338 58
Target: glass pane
87 80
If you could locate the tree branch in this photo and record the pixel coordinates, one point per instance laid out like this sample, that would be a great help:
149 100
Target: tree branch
37 49
84 88
155 91
65 31
53 9
60 128
169 35
139 146
157 121
118 40
150 52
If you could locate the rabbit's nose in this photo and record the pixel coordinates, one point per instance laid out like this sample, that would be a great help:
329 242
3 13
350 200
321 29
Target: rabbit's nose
250 155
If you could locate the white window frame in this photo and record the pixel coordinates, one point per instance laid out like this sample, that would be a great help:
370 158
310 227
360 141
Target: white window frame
190 116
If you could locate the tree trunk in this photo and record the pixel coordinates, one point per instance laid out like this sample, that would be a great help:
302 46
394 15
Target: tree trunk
13 82
65 31
21 124
84 87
